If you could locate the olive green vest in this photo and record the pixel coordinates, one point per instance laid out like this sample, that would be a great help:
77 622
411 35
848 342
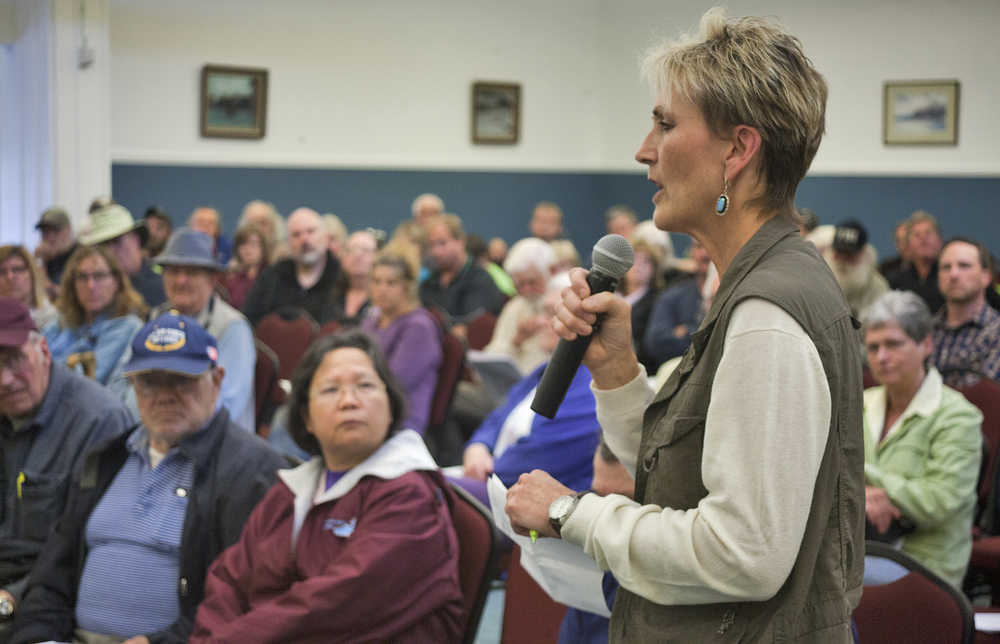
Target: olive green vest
816 601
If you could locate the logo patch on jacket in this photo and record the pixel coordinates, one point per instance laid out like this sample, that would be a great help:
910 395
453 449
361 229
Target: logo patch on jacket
341 527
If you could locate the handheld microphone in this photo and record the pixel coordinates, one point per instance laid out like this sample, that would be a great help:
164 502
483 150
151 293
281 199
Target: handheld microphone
611 259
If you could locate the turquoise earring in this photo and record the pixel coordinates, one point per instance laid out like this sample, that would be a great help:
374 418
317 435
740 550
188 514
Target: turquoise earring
722 203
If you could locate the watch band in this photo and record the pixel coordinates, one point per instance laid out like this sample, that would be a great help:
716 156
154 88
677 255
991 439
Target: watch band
558 522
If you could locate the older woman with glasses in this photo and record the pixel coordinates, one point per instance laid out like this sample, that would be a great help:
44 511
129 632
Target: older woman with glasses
922 441
21 280
99 312
356 544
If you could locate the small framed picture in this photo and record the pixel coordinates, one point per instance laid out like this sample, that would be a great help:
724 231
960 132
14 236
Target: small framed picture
496 112
920 112
233 102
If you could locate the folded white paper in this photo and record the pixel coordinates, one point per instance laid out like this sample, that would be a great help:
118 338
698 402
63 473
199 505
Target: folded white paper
988 622
563 570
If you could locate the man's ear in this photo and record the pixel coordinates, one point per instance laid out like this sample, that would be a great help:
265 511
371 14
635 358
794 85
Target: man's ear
217 375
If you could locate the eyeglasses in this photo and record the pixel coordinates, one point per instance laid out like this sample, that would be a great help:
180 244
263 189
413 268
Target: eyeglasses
96 276
360 389
13 271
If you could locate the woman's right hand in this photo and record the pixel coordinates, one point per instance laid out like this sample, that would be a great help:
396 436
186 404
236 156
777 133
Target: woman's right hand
477 462
610 356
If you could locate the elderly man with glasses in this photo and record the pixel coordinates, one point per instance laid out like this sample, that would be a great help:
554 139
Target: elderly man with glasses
151 509
49 415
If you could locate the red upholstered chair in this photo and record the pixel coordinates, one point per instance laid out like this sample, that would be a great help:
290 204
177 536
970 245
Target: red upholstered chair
479 330
477 556
530 616
267 394
330 327
917 608
867 379
288 331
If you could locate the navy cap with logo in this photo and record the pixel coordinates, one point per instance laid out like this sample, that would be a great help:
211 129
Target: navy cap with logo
175 343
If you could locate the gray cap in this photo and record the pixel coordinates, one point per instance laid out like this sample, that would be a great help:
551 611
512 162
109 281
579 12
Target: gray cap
188 247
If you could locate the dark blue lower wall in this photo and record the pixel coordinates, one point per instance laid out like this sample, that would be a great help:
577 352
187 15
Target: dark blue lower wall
500 203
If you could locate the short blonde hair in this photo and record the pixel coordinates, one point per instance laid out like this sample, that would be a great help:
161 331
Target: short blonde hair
452 222
749 71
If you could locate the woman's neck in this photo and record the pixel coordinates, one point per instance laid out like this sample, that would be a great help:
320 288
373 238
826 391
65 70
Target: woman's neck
899 397
388 316
724 236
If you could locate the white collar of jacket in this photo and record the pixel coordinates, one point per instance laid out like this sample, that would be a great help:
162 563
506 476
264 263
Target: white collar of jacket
403 452
925 402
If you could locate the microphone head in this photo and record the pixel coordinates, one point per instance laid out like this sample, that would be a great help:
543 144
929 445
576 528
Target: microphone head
612 256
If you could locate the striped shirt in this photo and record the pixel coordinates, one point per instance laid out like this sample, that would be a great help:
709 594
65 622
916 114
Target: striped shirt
973 346
129 581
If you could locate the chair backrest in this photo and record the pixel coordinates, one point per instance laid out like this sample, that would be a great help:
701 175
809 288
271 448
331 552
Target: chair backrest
477 555
985 394
530 616
330 327
267 394
289 332
479 330
916 608
449 373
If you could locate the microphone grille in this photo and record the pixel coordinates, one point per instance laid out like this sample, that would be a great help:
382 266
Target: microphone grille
612 256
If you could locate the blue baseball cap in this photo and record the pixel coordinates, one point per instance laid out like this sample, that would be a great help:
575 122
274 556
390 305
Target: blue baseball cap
173 342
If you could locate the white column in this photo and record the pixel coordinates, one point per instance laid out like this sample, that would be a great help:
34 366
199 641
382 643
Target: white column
54 113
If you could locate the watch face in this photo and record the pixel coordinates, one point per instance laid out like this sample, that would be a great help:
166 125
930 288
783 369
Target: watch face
560 507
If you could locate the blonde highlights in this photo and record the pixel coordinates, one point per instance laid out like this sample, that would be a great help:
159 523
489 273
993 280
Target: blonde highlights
749 71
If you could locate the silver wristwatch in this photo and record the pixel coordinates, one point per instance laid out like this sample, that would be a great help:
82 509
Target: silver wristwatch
6 608
561 508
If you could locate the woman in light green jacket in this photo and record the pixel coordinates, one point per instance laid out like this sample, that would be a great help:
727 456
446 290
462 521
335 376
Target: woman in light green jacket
922 440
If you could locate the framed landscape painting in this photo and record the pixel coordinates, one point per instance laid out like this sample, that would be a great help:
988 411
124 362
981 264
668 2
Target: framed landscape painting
233 102
496 112
920 112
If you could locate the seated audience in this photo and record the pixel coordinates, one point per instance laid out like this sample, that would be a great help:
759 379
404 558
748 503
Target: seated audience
20 280
620 220
967 328
264 215
519 330
189 274
350 298
567 256
496 250
206 219
853 262
337 232
99 312
151 509
640 287
895 264
159 225
304 280
355 545
546 221
426 207
251 250
49 417
919 274
922 441
111 226
458 286
57 244
677 312
477 250
514 439
408 335
610 477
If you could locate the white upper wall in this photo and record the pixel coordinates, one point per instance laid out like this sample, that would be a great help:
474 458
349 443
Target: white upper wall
387 83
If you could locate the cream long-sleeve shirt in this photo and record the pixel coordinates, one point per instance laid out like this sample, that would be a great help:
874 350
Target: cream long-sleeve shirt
765 433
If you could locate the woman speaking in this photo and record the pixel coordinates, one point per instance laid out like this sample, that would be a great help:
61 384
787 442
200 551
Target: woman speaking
748 519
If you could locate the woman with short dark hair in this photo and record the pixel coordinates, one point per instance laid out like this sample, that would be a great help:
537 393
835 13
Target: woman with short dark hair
357 544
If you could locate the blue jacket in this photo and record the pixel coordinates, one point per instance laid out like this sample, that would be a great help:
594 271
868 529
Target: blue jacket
108 338
563 446
680 304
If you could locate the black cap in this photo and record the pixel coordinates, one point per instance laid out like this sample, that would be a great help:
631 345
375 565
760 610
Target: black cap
850 237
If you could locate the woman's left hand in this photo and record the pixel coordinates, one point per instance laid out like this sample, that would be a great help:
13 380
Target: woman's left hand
528 502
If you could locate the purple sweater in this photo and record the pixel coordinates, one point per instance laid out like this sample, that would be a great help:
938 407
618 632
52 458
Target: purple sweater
412 345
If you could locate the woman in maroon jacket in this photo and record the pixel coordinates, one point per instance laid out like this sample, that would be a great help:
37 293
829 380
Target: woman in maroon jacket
355 545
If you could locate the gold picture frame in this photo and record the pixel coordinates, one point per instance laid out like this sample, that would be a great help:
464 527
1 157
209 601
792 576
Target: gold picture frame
496 112
233 102
920 112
